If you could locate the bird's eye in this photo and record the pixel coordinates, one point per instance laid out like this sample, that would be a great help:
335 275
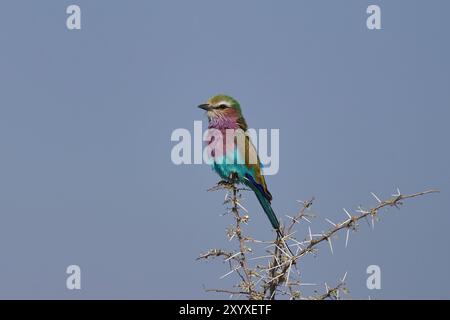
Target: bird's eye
222 106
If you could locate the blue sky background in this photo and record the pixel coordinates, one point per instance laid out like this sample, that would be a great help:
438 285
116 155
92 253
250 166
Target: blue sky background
86 118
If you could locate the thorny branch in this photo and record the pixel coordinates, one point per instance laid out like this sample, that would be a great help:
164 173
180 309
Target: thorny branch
280 275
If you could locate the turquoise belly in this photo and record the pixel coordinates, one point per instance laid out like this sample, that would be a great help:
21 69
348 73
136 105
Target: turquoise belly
225 170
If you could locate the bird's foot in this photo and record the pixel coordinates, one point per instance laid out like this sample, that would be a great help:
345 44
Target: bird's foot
229 183
233 178
222 184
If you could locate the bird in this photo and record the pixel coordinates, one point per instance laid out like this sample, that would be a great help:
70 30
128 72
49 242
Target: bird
237 162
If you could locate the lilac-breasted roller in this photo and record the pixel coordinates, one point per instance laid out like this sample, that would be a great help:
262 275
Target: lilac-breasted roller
236 160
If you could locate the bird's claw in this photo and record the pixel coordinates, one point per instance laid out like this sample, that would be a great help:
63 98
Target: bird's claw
222 184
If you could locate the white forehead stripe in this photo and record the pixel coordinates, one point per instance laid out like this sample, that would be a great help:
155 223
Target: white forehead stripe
222 102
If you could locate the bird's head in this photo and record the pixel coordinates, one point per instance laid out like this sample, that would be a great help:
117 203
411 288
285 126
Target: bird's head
224 107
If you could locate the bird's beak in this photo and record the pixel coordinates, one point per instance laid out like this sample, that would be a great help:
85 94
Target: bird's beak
205 106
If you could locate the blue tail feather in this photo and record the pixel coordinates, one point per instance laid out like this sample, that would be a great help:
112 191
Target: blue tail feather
265 204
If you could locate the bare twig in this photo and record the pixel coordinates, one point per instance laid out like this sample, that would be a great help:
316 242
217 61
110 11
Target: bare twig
281 275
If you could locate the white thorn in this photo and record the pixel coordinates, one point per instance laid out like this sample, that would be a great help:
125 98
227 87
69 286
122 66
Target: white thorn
331 245
318 234
288 273
346 238
289 256
288 236
344 277
330 222
310 234
349 215
231 257
259 280
296 241
261 257
375 196
292 218
228 273
361 210
277 266
274 278
242 207
306 219
273 293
